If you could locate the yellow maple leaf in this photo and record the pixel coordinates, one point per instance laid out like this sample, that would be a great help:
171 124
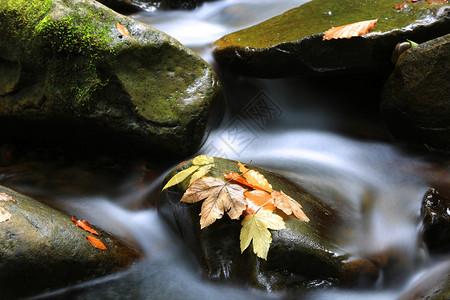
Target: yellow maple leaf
255 178
220 197
349 30
288 205
203 160
255 229
201 166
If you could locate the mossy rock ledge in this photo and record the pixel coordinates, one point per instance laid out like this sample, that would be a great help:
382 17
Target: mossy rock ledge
292 43
78 74
42 249
301 257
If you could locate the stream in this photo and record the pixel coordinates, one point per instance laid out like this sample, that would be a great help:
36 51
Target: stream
329 137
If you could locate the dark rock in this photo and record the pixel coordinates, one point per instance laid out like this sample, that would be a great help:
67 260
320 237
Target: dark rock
302 256
41 249
135 5
70 78
416 101
435 212
292 43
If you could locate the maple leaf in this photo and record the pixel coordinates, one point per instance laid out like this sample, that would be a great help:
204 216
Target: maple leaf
84 225
288 205
6 197
96 242
201 166
122 30
258 199
255 178
4 215
350 30
220 197
238 178
255 229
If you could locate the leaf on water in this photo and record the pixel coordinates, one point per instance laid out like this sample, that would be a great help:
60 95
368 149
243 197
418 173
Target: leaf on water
122 30
180 176
84 225
255 229
255 178
349 30
289 205
258 199
96 242
203 160
220 197
4 215
6 197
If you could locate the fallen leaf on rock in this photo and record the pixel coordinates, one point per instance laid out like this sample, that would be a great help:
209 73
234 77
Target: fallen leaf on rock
258 199
201 166
84 225
349 30
238 178
220 197
96 242
4 215
122 30
401 5
6 197
255 178
289 205
255 228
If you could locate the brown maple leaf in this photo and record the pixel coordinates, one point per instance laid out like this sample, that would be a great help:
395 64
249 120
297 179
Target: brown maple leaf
349 30
84 225
220 197
96 242
288 205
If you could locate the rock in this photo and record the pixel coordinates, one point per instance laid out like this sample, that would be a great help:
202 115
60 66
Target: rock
133 5
304 255
71 77
416 102
433 284
292 43
41 249
435 212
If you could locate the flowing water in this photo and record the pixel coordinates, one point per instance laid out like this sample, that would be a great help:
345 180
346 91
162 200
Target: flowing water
330 138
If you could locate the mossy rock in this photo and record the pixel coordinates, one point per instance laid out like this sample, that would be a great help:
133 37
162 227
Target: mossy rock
42 249
304 255
72 75
292 43
415 99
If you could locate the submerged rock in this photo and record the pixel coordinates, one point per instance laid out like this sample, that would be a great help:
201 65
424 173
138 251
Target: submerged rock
416 101
77 74
42 249
292 43
304 255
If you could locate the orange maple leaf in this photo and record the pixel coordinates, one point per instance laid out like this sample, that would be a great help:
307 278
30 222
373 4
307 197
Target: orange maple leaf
236 177
289 205
6 197
349 30
122 30
255 178
84 225
258 199
96 242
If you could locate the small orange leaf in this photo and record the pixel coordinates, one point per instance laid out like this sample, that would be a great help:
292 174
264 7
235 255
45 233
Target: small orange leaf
96 242
6 197
238 178
255 178
401 5
350 30
122 30
257 199
4 215
85 225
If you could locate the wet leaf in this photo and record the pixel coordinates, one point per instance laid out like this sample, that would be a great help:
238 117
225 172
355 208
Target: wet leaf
350 30
4 215
255 229
255 178
202 171
201 166
258 199
203 160
122 30
180 176
236 177
6 197
84 225
289 205
220 197
96 242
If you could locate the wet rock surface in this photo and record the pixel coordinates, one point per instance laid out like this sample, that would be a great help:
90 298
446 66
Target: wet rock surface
41 248
304 255
79 75
416 102
292 43
134 5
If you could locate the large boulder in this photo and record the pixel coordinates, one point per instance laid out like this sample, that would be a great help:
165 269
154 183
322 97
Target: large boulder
302 256
76 73
41 248
133 5
416 101
292 43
